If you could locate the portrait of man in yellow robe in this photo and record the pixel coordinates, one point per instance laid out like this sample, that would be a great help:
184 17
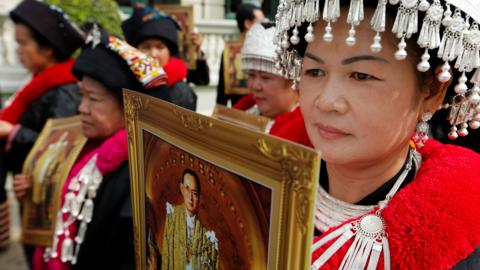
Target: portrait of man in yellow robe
187 244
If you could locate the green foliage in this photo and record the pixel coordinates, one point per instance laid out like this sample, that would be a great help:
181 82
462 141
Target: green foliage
104 12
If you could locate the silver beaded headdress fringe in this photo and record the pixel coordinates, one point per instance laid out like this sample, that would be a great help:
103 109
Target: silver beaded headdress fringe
458 43
258 52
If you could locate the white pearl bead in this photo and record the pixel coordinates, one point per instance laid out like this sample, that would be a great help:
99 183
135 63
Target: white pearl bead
294 40
423 6
393 2
350 41
328 37
401 54
445 76
309 37
474 124
476 117
474 98
376 47
452 135
423 66
463 132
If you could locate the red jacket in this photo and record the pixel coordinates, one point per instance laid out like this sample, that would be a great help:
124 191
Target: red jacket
433 222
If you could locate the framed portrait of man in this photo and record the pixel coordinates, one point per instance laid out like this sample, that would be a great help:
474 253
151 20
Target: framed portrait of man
48 165
233 76
184 16
208 194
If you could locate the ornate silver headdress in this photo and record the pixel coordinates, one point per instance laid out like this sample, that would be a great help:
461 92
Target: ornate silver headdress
458 43
258 52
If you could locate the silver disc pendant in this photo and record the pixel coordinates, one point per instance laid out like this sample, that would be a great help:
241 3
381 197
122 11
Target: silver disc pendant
371 225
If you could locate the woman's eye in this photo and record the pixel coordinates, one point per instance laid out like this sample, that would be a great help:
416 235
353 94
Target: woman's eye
314 72
361 76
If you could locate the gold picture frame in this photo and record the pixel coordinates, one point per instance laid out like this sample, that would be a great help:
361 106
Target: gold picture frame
242 118
165 141
184 16
48 165
235 80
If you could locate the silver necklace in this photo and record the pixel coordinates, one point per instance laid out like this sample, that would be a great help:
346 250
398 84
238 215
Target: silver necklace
368 231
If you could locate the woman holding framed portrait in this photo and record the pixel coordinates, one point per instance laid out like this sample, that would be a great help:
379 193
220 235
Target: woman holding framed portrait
94 228
371 74
157 35
46 40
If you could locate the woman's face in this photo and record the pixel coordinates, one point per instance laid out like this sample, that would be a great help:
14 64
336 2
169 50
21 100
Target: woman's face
273 94
100 111
359 107
34 58
156 48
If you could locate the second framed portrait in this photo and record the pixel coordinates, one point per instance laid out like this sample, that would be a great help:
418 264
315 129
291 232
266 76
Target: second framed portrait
183 15
48 165
235 79
207 194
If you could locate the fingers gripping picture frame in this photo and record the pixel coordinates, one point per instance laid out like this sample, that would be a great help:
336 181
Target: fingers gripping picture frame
213 195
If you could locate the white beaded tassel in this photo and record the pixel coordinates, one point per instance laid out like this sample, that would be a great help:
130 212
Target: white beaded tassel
461 88
469 57
406 22
445 75
378 23
405 25
401 54
424 65
452 42
429 36
354 18
310 15
474 99
331 12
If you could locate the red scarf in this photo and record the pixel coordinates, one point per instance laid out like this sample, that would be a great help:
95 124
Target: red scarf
292 130
245 103
433 222
176 71
58 74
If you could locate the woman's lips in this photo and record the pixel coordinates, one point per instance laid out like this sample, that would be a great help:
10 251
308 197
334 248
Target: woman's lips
258 99
329 132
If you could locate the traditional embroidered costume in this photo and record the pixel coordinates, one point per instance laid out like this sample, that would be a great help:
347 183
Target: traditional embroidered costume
94 229
426 216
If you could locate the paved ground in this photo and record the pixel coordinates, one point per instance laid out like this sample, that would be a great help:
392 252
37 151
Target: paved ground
12 256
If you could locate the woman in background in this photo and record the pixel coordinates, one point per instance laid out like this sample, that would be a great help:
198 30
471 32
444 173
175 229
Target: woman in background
100 236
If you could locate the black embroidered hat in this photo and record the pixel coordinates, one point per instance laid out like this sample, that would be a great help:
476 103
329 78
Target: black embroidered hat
51 23
149 23
117 65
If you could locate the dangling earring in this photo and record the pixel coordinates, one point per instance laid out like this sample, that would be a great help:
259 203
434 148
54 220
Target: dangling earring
421 132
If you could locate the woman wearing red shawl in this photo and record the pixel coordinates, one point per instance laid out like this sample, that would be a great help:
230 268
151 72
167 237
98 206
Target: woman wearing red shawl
271 94
46 40
94 229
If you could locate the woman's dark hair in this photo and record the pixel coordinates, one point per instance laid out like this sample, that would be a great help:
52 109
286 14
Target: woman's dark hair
41 41
245 12
414 51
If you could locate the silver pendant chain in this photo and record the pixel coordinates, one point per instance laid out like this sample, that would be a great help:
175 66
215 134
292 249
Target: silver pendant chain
368 231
